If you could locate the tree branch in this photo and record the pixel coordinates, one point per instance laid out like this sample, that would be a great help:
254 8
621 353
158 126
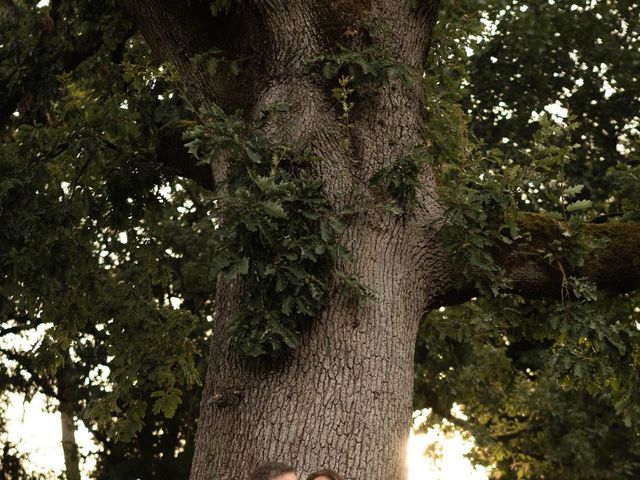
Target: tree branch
172 153
177 33
614 268
26 363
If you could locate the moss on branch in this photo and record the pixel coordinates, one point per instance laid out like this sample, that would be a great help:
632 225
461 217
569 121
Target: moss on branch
534 272
534 266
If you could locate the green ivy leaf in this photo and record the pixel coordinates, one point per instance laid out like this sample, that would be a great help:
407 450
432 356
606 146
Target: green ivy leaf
238 268
167 402
573 190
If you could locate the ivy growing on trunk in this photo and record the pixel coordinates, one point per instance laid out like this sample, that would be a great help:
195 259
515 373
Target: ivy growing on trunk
276 231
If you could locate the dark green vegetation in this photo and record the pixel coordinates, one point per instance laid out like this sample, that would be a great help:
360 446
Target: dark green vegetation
96 237
550 389
103 233
279 233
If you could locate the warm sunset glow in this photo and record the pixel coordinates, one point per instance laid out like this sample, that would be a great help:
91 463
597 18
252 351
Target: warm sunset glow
37 433
434 455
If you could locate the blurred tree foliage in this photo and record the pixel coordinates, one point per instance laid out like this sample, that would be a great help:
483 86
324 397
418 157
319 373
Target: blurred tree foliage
105 294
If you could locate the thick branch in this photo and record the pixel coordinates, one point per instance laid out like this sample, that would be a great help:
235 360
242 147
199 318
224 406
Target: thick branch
614 268
176 33
172 153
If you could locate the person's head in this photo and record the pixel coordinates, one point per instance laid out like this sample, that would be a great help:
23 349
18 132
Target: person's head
325 474
273 471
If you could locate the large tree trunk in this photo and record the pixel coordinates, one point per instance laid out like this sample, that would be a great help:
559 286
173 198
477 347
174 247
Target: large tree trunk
343 399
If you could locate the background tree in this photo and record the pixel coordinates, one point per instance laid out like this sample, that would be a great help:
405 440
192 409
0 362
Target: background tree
350 199
85 267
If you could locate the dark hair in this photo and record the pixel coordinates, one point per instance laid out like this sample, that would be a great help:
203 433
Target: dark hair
270 470
327 473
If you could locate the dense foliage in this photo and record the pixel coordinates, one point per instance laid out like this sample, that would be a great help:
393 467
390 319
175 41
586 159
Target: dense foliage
108 259
99 245
548 388
276 230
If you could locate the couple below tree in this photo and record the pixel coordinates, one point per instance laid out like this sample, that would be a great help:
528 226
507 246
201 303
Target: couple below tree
282 471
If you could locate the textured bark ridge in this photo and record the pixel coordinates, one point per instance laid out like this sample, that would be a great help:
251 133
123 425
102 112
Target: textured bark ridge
343 399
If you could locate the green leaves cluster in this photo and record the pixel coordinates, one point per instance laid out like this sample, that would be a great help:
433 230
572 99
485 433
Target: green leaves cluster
582 55
218 7
401 178
276 232
548 388
78 258
491 193
99 244
363 60
368 66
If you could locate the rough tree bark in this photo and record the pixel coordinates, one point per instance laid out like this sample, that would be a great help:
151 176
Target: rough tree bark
343 399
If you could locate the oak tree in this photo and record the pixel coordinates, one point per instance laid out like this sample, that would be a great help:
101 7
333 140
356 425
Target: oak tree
338 174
